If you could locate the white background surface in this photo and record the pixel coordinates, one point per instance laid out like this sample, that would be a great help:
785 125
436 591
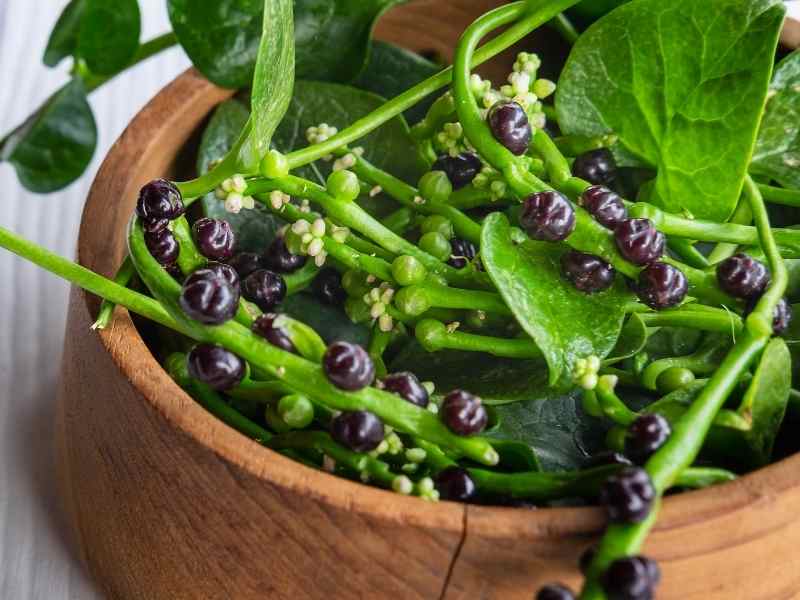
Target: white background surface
35 560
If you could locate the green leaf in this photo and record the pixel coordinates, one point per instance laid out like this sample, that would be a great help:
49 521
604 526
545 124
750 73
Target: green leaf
256 228
777 153
390 147
566 324
109 34
55 145
632 340
328 321
221 37
496 380
561 434
333 37
682 84
274 76
392 70
64 37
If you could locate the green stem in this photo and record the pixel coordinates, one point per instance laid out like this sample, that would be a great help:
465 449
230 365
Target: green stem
778 195
718 320
741 216
702 477
416 299
686 251
400 220
611 404
434 336
565 28
123 278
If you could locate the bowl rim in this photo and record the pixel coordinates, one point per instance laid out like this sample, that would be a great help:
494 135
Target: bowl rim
181 106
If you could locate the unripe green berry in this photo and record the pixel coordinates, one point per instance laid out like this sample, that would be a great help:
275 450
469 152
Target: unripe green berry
274 420
296 410
430 333
673 379
438 224
436 245
343 185
407 270
435 186
293 241
274 165
412 301
355 283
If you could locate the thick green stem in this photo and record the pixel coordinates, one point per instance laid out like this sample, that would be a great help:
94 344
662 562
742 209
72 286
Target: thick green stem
778 195
123 278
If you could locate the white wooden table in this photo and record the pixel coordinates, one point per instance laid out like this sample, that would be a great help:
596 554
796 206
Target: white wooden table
36 561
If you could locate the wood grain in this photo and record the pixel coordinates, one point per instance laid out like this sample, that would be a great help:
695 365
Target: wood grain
168 502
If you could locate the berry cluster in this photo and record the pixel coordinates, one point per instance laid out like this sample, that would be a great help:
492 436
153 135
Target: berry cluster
159 203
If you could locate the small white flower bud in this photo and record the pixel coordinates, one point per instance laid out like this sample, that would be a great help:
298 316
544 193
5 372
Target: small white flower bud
375 191
301 226
402 485
416 455
385 323
318 228
377 310
238 183
320 258
233 203
248 202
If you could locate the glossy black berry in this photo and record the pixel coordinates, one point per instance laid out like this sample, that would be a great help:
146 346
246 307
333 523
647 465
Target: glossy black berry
781 316
266 289
358 430
208 297
509 124
555 591
604 205
279 259
632 578
227 272
159 200
628 495
547 216
587 272
163 246
742 276
246 262
604 459
264 326
454 483
463 413
596 166
461 253
154 226
348 366
460 169
661 286
327 286
215 366
214 238
646 435
407 386
639 241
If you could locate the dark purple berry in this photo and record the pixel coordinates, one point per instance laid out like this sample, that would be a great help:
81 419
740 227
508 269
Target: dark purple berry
464 413
348 366
461 253
175 271
227 272
631 578
454 483
327 286
159 200
555 591
605 459
605 206
742 276
661 286
163 246
266 289
646 435
279 259
264 326
359 430
460 169
628 495
407 386
586 559
587 272
208 297
215 366
246 262
596 166
154 226
781 316
639 241
547 216
509 124
214 238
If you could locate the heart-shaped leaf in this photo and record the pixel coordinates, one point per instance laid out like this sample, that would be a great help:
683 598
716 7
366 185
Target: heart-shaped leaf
109 34
64 37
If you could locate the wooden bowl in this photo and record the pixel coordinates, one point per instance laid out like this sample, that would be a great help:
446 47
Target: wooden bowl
169 503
